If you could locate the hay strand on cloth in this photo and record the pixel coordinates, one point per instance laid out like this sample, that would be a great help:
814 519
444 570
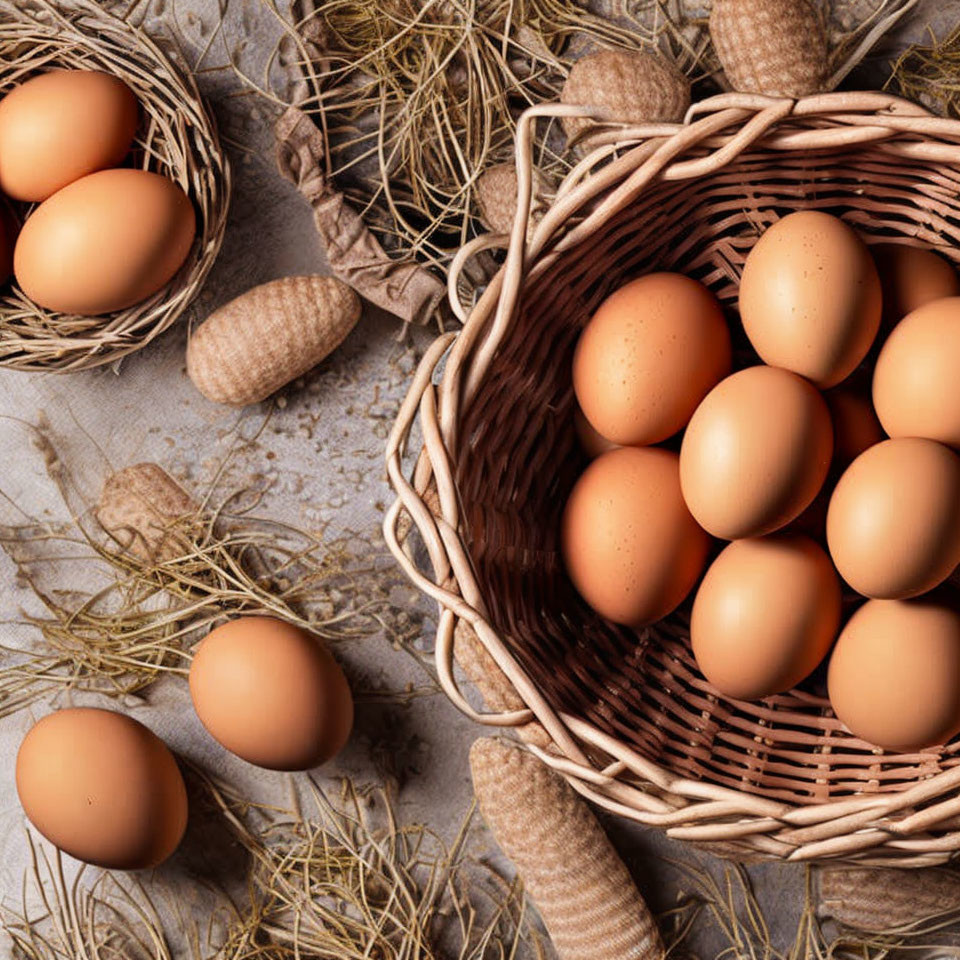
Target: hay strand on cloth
930 74
134 616
177 138
588 900
890 902
106 920
354 254
345 879
414 100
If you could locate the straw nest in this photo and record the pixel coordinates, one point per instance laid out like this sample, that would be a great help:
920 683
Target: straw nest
177 138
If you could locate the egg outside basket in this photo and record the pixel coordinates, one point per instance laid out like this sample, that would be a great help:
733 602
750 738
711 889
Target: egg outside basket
177 138
624 715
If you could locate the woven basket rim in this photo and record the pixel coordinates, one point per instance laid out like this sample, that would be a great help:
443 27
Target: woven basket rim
893 828
179 139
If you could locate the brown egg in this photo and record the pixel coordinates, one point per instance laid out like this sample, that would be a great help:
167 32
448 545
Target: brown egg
591 442
916 382
59 126
911 277
765 615
810 297
894 677
893 525
103 788
855 424
755 453
629 543
648 356
104 242
271 693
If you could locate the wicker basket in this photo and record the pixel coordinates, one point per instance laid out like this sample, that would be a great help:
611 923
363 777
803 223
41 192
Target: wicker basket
177 137
625 715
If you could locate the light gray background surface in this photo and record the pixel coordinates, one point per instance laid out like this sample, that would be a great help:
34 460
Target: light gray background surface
320 460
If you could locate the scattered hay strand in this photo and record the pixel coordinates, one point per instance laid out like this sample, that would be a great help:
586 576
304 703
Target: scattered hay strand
417 99
930 74
347 880
107 920
218 560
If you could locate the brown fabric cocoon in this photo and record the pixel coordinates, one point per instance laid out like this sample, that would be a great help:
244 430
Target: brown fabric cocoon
269 336
775 47
633 86
137 506
878 900
585 894
402 288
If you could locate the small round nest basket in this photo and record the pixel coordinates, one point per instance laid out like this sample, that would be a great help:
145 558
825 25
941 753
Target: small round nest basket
177 138
624 715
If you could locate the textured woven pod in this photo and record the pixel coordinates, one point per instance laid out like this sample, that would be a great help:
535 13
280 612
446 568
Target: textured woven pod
631 86
585 894
177 138
496 196
137 506
633 724
878 900
269 336
774 47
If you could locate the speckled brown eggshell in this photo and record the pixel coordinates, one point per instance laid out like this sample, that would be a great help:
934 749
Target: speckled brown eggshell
810 297
916 380
894 677
103 788
755 453
271 693
911 277
893 524
765 615
648 356
629 543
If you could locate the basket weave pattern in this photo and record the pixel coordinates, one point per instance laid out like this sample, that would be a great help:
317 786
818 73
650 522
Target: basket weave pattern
625 715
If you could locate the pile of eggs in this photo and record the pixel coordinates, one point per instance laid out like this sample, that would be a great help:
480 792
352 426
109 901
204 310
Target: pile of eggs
100 238
827 458
102 787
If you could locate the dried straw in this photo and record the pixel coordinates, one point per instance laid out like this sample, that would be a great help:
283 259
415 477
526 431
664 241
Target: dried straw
107 920
346 880
930 74
220 560
177 138
417 99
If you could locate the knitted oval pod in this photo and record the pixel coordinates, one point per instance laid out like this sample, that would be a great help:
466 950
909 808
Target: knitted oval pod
269 336
137 506
585 894
877 900
634 86
775 47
